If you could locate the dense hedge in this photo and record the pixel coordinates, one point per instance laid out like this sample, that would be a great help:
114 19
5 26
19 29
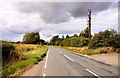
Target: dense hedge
7 50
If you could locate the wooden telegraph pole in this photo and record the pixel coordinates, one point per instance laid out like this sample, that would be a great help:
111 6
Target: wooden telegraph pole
89 24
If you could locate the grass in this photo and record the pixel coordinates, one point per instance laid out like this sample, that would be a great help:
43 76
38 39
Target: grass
87 51
28 59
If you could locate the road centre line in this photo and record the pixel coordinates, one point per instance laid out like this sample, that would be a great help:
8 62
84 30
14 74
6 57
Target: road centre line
68 58
46 59
92 73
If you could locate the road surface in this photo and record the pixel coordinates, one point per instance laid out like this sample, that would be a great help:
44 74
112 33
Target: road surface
61 62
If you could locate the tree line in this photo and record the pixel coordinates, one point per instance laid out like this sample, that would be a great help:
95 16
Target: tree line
106 38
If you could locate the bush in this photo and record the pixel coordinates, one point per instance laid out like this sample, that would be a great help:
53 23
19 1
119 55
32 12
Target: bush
7 50
105 50
94 44
118 50
31 38
10 53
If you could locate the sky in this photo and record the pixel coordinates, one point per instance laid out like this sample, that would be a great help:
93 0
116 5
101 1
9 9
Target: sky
54 18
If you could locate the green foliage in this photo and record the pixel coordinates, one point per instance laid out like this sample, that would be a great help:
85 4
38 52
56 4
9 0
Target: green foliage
54 40
75 35
65 42
57 43
67 36
75 42
43 42
84 33
31 38
107 38
114 41
29 59
7 50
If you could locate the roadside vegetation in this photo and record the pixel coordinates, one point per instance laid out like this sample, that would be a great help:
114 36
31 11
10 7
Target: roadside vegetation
18 57
87 51
106 41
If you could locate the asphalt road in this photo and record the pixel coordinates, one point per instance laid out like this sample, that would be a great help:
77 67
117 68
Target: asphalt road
61 62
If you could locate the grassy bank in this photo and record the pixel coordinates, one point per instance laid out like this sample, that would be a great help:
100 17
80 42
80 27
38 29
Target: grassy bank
28 56
87 51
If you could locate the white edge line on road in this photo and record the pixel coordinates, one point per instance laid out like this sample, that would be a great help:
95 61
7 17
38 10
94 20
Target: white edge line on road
43 74
69 58
46 59
92 73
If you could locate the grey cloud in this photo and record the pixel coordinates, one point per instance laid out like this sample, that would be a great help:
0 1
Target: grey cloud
57 12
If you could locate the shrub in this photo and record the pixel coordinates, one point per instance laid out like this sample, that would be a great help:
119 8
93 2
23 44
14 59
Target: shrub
118 50
104 50
7 50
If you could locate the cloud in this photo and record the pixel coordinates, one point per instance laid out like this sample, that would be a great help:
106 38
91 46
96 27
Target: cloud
58 12
52 20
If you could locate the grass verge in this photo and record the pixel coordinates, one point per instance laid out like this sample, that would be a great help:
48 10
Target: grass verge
87 51
16 67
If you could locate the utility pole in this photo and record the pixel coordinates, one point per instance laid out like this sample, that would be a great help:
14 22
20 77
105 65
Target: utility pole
89 24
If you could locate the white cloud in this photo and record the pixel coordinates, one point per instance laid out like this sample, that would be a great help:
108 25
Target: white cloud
104 20
15 24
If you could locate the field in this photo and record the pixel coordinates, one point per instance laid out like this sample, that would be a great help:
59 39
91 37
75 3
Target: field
27 54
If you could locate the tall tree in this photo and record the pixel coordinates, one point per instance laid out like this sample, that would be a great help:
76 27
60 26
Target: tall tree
31 38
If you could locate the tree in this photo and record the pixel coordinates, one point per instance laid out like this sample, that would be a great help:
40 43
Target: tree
98 37
107 38
31 38
114 41
84 33
75 35
63 37
67 36
43 42
54 40
65 42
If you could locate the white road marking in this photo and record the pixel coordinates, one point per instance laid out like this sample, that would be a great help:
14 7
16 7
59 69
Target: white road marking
46 59
92 73
43 74
69 58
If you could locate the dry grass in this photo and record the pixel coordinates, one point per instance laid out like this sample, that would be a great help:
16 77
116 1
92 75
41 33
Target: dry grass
87 51
105 50
25 47
29 55
22 49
